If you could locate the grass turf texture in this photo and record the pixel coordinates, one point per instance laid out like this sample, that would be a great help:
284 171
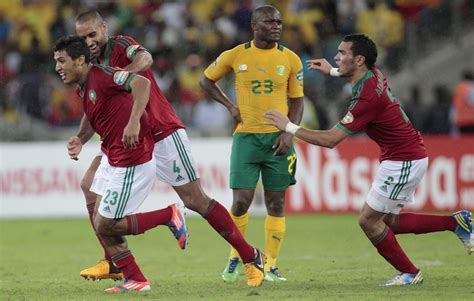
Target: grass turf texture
323 257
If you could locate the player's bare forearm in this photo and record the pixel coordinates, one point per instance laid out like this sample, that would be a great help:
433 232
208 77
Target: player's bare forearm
327 138
141 94
141 62
295 109
216 93
86 131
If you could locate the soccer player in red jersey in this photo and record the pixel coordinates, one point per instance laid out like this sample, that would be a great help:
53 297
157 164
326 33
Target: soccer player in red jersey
114 103
403 160
174 161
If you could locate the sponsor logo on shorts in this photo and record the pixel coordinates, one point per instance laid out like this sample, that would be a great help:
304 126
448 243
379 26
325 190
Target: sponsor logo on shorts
107 209
179 178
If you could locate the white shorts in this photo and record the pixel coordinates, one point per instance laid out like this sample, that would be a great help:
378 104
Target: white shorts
174 161
394 185
123 189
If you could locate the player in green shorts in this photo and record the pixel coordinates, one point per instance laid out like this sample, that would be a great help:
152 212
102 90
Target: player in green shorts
267 76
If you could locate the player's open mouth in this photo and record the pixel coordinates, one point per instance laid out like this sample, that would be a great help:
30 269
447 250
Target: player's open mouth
62 75
93 49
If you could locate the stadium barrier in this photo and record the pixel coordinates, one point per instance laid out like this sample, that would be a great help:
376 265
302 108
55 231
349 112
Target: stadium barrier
39 180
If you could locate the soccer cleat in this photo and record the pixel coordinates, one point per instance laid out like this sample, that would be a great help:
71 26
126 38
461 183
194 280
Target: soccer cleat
231 271
464 229
255 269
104 269
274 276
130 285
177 226
405 279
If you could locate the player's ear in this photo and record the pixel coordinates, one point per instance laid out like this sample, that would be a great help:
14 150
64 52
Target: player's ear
360 60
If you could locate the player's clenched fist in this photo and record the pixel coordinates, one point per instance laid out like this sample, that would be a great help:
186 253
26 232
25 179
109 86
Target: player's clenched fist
74 147
130 134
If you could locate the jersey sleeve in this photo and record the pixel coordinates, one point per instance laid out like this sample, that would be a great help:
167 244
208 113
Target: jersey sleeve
295 82
130 46
222 65
115 81
361 112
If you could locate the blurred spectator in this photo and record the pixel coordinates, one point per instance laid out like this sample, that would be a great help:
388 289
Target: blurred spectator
415 109
437 119
385 26
211 118
185 36
463 103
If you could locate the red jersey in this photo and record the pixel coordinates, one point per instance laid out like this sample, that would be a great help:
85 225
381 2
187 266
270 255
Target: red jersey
163 120
107 104
375 110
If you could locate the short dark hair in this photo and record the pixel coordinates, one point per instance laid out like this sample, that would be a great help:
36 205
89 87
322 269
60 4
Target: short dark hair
89 15
262 9
363 45
75 46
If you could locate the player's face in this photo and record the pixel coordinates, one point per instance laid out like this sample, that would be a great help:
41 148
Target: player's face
68 69
268 26
345 59
95 34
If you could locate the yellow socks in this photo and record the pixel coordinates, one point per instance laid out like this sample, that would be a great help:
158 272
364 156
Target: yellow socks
241 222
275 228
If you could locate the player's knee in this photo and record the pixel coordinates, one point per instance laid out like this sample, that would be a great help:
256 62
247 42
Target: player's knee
364 223
197 202
85 185
275 207
240 207
103 227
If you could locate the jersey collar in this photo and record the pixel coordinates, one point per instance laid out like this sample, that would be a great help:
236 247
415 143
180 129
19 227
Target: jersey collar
357 86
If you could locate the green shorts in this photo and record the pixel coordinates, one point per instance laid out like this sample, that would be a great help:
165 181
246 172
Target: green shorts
252 154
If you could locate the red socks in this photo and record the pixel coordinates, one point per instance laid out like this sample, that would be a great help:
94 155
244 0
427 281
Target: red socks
126 263
424 223
220 220
388 247
90 211
141 222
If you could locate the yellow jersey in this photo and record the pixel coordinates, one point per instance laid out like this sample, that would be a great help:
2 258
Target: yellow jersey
264 80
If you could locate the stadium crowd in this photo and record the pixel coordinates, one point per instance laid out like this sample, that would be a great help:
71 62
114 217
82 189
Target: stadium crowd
185 36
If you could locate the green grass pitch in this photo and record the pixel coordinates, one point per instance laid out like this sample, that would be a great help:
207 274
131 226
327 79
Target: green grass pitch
324 257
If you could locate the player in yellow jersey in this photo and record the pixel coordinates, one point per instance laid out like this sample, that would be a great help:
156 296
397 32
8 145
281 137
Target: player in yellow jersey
267 76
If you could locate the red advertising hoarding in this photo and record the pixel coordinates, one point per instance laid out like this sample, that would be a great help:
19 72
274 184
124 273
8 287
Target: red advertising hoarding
337 180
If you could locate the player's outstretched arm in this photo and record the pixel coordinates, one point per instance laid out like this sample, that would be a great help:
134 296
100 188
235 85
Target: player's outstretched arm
323 66
328 138
216 93
141 93
141 62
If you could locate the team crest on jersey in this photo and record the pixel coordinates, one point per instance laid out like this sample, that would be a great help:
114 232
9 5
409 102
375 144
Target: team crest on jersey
280 70
120 77
92 94
131 51
348 118
242 68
